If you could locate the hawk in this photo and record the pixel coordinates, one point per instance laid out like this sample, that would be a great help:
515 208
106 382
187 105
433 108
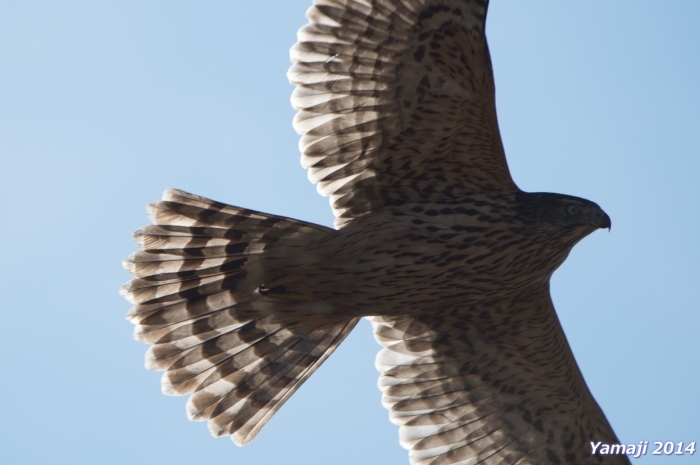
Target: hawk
434 242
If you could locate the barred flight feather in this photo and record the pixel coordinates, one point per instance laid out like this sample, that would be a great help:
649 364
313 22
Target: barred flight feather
195 299
459 399
368 73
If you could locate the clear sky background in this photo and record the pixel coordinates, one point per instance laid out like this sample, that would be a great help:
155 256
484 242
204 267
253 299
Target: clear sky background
105 104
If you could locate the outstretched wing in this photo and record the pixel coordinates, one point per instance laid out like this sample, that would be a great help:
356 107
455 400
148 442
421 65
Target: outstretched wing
396 103
491 385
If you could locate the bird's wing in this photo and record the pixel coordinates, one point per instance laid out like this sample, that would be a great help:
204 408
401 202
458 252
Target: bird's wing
496 384
396 102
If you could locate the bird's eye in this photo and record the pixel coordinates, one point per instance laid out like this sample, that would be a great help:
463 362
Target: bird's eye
572 210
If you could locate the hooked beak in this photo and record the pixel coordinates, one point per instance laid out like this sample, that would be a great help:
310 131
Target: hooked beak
604 221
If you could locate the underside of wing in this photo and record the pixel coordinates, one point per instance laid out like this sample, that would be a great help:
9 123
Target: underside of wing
491 385
396 102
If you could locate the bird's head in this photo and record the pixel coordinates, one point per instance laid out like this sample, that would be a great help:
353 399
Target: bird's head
562 216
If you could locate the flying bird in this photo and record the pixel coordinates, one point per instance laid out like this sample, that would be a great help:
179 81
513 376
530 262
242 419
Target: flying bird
434 243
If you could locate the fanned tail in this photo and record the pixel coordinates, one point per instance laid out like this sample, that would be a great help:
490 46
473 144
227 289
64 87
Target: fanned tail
197 298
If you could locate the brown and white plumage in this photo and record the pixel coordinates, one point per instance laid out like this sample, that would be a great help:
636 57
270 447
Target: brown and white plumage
211 335
491 384
396 103
435 243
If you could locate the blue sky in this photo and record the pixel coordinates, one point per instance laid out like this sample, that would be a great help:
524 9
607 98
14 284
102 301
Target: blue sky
105 104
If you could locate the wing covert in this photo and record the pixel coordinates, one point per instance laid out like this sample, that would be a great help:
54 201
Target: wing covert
396 102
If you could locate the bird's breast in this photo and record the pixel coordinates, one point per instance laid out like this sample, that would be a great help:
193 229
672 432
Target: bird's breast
406 262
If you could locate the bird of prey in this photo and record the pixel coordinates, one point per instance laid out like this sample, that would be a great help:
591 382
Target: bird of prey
434 242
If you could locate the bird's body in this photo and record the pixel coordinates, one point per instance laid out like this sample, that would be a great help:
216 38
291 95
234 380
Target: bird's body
435 243
420 257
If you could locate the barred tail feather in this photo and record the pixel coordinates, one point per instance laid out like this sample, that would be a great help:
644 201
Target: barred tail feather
196 299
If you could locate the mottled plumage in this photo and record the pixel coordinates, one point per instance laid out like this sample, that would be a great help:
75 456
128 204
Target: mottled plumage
435 243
